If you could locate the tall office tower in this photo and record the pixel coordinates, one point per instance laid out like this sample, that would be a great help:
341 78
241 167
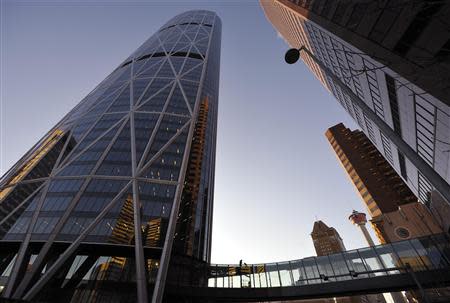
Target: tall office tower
326 239
123 184
394 56
376 181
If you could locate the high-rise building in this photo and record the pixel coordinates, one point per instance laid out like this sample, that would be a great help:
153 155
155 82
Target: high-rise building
123 184
392 55
326 239
376 181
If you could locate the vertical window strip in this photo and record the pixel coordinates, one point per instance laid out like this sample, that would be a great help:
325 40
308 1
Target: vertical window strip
333 60
340 55
315 44
359 119
321 47
393 102
425 113
387 148
313 48
370 129
349 103
316 51
425 154
371 78
331 54
424 187
402 162
335 91
295 33
298 31
355 76
301 26
285 18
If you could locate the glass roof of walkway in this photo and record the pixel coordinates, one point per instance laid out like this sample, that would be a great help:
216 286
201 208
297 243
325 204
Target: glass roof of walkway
411 264
416 255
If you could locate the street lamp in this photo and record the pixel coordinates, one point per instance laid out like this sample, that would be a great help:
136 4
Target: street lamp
292 56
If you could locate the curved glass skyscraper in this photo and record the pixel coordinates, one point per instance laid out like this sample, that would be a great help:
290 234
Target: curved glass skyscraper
124 183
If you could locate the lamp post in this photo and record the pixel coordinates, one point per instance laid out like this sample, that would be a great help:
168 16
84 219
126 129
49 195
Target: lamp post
293 55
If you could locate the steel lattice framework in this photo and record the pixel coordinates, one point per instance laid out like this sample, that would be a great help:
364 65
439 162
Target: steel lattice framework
138 151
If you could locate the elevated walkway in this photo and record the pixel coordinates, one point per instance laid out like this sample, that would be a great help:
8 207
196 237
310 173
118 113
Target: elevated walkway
420 263
410 264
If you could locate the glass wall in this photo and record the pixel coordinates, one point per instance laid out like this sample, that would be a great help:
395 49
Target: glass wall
416 255
115 168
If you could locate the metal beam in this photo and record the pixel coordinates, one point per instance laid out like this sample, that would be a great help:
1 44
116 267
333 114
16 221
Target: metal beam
141 280
38 263
158 291
19 261
72 248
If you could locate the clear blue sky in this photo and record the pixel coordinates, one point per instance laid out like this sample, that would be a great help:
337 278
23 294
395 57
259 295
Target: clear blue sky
275 173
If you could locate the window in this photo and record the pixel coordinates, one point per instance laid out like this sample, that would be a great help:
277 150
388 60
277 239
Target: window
44 225
425 128
370 129
386 147
424 188
393 101
401 160
402 232
372 81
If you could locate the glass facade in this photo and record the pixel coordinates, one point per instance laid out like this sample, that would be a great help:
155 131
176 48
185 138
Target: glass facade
132 165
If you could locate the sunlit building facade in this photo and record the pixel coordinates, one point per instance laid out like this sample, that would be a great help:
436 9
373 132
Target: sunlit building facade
378 184
123 184
382 52
326 239
410 221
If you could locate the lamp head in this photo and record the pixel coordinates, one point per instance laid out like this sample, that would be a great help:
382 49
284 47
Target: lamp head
292 56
